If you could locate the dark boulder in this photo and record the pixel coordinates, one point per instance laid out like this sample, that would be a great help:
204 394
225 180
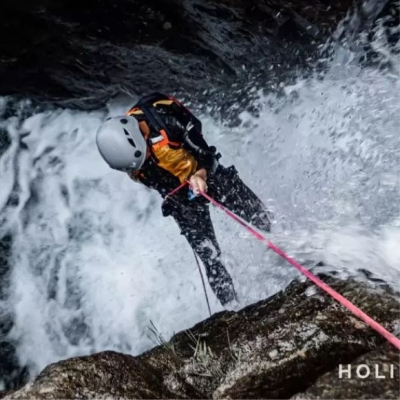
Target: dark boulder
289 344
102 375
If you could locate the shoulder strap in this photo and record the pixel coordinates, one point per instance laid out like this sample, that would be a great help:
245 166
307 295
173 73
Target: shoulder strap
152 116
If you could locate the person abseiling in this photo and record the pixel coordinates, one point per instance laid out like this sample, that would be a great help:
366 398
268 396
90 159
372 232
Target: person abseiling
159 143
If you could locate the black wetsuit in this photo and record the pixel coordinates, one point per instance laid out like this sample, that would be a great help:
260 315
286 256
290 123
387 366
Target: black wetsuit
193 217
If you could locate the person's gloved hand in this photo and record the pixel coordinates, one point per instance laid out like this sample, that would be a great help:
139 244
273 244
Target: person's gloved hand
198 181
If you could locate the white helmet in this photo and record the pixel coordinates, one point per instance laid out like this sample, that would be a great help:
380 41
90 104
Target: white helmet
121 144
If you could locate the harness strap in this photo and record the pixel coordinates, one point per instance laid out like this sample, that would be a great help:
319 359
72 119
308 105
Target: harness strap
154 120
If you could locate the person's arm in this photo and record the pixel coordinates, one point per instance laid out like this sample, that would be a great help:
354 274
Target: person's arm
195 143
189 128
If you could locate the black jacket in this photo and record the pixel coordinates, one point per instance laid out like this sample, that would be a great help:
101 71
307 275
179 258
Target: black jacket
179 123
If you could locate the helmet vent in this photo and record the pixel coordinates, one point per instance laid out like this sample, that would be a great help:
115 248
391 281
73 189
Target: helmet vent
131 142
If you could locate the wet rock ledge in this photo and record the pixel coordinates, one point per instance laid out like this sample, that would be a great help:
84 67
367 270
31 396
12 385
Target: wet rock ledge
288 346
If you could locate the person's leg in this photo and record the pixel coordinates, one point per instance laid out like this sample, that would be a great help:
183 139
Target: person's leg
195 223
229 189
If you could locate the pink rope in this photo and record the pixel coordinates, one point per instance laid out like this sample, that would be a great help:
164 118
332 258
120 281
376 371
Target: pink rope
338 297
176 189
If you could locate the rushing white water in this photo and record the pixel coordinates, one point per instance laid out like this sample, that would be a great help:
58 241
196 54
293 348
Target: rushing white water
94 261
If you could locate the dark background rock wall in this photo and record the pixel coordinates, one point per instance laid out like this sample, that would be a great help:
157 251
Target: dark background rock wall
67 49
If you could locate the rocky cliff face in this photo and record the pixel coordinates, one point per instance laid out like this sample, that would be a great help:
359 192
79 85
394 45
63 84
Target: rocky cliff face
287 346
59 51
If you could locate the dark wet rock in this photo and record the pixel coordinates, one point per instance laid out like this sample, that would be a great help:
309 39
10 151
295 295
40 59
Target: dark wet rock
5 267
103 375
289 344
384 30
11 373
60 51
381 365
